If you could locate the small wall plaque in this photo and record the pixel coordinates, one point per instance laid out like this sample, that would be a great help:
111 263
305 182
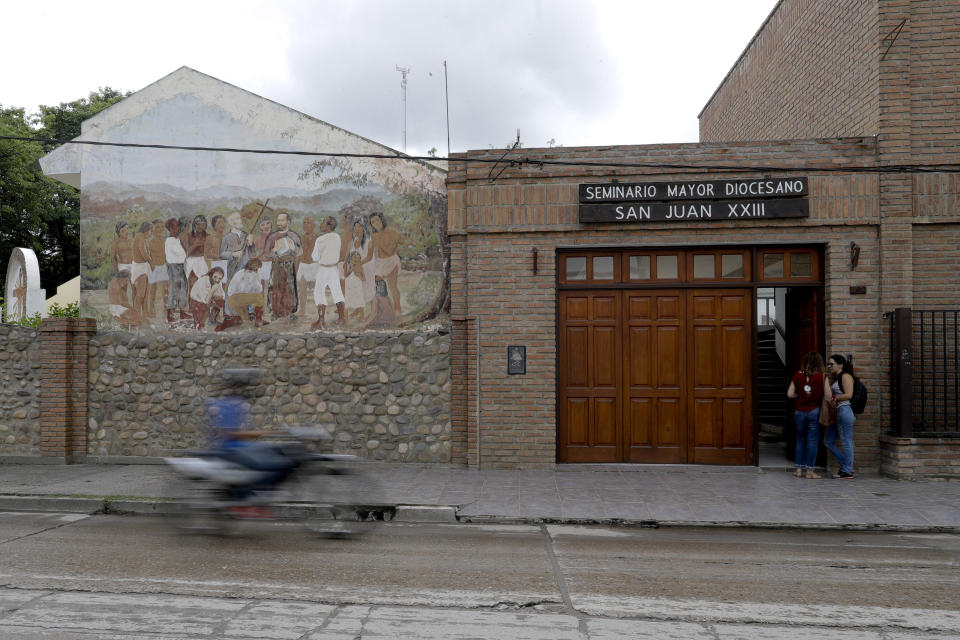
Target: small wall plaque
858 290
516 360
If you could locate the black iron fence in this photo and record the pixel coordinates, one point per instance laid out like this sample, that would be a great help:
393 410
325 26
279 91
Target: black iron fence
925 373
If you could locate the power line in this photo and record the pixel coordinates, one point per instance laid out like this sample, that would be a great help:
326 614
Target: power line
527 161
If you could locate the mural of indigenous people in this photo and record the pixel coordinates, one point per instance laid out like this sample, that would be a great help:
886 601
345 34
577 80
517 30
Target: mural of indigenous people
176 257
386 261
359 243
233 244
306 266
390 210
207 297
282 248
246 290
122 254
194 243
119 296
141 268
326 253
354 285
383 313
256 248
159 279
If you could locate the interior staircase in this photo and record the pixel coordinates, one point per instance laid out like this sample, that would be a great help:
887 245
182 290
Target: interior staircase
771 387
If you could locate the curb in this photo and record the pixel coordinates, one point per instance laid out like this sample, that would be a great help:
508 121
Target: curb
449 514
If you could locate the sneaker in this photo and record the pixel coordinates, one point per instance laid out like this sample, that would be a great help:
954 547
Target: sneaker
843 475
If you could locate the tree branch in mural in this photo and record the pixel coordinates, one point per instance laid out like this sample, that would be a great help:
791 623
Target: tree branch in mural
416 238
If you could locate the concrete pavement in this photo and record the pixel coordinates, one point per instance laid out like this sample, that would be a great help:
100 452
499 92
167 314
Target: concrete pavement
637 495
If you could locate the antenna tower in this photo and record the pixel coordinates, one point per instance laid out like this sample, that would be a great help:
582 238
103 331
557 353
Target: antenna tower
403 104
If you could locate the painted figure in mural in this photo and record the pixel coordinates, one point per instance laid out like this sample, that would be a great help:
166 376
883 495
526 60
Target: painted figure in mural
256 248
282 248
361 243
383 313
176 257
386 260
207 297
233 244
306 267
141 269
354 285
194 243
158 279
121 256
211 246
118 297
245 290
326 253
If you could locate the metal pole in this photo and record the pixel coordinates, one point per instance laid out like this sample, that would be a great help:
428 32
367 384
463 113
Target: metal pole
446 96
903 368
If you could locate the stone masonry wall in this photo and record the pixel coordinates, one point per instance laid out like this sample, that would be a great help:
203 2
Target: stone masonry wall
20 369
382 396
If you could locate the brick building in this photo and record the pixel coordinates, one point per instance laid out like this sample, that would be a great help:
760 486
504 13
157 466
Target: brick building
635 287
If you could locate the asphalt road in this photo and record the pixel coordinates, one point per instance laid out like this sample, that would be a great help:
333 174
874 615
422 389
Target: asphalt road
133 577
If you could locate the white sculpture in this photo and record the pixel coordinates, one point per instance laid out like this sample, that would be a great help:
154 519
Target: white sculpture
23 296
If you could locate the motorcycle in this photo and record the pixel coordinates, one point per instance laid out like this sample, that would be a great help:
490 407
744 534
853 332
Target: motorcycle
330 494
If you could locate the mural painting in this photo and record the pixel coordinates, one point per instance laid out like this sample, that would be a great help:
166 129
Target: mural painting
279 246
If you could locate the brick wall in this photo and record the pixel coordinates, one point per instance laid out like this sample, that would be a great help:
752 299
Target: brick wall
502 301
810 72
916 458
63 381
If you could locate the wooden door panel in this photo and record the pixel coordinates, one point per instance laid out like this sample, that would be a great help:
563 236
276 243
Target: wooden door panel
577 412
640 352
605 370
654 376
721 393
735 366
733 424
605 423
669 365
590 370
576 342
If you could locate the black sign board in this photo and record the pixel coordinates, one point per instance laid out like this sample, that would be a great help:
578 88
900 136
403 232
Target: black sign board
695 211
696 201
699 190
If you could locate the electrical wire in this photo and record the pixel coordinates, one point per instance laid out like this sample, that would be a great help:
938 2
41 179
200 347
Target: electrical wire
527 161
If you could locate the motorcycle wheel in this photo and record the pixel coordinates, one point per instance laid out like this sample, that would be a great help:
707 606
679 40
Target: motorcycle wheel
199 507
339 501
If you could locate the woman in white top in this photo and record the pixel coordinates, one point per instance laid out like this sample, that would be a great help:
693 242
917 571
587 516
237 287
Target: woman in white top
841 376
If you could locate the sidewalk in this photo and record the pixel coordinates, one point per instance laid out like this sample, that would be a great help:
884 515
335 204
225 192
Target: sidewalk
647 495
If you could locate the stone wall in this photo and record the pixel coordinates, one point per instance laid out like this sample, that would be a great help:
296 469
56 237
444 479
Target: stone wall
383 396
20 369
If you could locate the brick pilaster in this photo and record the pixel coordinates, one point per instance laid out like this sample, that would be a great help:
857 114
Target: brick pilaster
64 346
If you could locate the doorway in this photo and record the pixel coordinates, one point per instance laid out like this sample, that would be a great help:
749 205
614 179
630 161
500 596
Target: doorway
658 350
789 325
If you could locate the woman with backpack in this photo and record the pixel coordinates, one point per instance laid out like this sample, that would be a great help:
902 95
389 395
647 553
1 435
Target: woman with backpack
808 387
842 382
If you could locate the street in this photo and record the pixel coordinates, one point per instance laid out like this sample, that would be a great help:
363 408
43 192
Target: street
122 577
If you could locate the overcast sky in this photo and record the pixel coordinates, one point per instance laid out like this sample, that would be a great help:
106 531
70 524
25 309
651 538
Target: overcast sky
578 72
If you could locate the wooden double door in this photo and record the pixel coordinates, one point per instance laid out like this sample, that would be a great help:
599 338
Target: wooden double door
656 376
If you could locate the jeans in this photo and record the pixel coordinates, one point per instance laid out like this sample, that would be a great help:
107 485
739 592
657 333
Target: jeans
808 436
845 419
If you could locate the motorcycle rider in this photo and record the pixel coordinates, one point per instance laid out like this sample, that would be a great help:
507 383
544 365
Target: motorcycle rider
235 443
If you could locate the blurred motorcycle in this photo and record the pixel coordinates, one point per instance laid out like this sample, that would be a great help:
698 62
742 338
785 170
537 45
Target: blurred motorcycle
330 494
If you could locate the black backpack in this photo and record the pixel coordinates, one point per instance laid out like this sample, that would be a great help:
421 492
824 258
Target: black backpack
859 399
